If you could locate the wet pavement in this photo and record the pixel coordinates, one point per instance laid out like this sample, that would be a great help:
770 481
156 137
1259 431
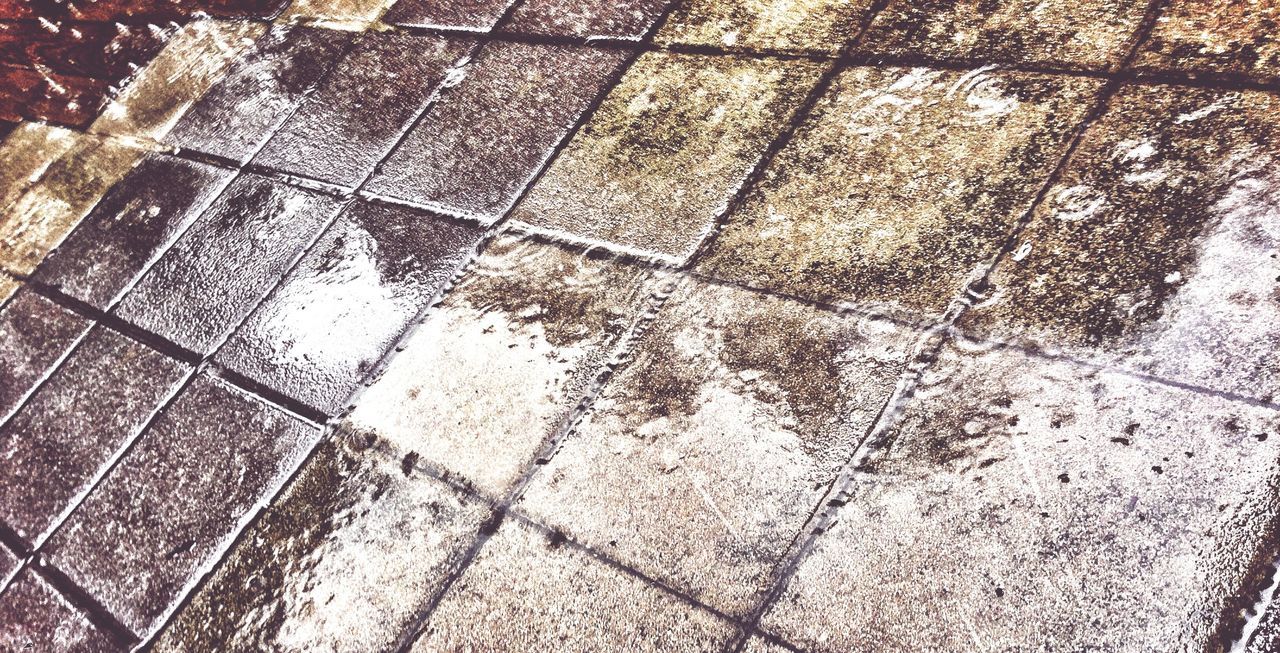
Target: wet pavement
569 325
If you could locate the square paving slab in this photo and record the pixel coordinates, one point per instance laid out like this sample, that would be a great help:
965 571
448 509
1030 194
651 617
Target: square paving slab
360 110
1207 36
133 224
818 26
227 261
347 302
1017 504
468 15
170 507
1178 192
621 19
75 424
38 618
259 92
708 449
528 591
344 561
500 364
1076 34
35 334
901 185
482 141
664 154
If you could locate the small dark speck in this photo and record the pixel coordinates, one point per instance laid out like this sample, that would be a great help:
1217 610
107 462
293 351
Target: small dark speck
1157 469
1124 441
556 539
1064 477
1262 437
410 459
999 591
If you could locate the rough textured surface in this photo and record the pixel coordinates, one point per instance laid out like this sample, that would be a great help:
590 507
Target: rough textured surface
1207 36
529 592
8 286
1016 503
37 618
1179 194
130 227
26 155
176 499
481 142
499 365
356 115
624 19
901 185
237 115
1084 34
470 15
337 14
35 334
714 456
75 423
230 258
348 300
163 91
52 206
354 548
663 155
820 26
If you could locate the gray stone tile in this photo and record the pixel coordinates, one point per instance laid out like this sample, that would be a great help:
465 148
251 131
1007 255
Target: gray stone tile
1157 249
35 334
623 19
175 500
9 562
347 302
499 365
1078 34
813 26
37 618
1195 36
526 592
665 152
130 227
470 15
706 452
343 561
238 113
483 141
902 185
74 425
340 132
1019 503
230 258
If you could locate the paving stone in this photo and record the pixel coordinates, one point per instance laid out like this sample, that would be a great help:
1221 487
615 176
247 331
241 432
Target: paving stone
1266 637
108 51
356 15
1018 502
347 302
131 227
1216 37
35 334
9 563
192 61
665 152
26 155
526 592
824 26
74 424
176 499
1178 193
37 618
340 132
240 112
7 127
8 286
229 259
471 15
761 645
623 19
344 561
115 10
50 208
62 99
502 362
483 141
718 437
900 185
1077 34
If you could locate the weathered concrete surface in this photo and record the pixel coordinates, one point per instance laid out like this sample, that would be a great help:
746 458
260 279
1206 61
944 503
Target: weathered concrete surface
793 26
469 15
1178 193
354 15
500 364
26 154
35 334
623 19
664 154
1019 503
709 448
37 618
902 184
1203 36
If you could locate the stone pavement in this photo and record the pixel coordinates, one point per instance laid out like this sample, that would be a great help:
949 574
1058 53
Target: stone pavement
690 325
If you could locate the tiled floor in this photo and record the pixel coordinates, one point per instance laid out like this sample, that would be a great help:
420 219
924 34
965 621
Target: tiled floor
691 325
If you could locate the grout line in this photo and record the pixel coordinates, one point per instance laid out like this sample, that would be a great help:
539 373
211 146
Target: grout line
89 607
